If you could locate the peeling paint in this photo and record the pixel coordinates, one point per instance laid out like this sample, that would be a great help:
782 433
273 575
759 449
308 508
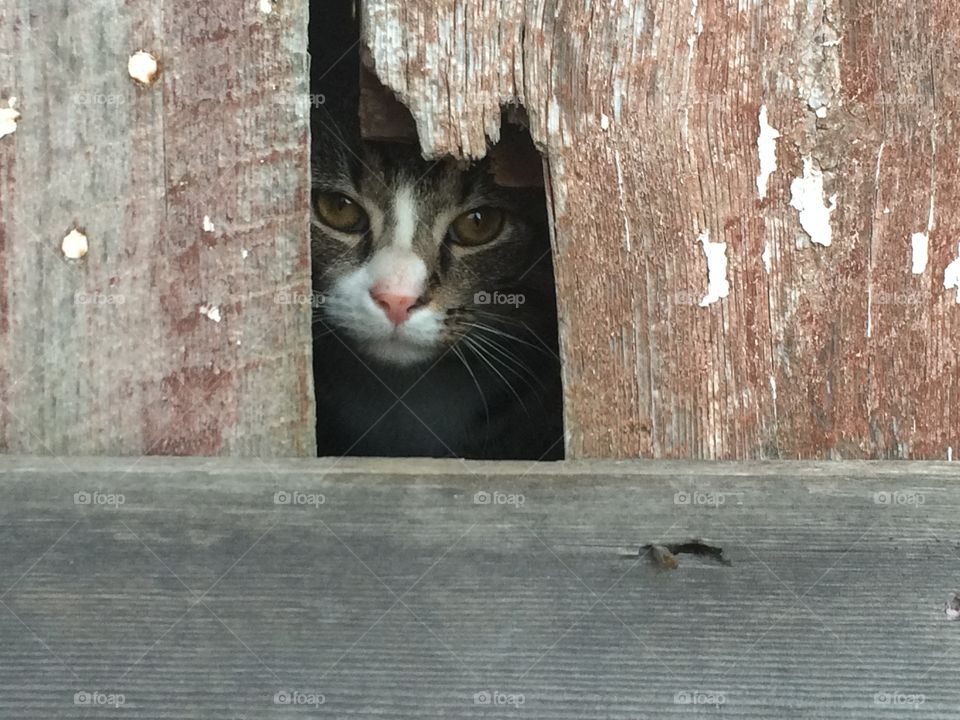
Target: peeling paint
208 225
604 121
807 197
142 67
717 284
266 6
766 257
951 275
767 150
818 70
9 118
212 312
920 242
75 245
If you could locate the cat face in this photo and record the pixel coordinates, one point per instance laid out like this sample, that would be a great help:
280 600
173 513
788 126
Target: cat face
411 257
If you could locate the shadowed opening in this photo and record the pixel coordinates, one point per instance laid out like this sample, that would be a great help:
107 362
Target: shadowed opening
435 328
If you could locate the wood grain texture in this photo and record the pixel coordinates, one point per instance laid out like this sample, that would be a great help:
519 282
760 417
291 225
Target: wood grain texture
182 331
200 597
648 114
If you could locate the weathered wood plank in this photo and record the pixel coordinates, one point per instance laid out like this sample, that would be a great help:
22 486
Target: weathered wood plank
167 337
400 596
649 115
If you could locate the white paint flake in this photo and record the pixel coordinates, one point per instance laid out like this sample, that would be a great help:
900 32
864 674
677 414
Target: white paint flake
767 150
142 67
766 257
821 112
208 225
604 121
717 285
244 253
212 312
806 195
921 243
74 245
9 118
950 453
951 275
266 6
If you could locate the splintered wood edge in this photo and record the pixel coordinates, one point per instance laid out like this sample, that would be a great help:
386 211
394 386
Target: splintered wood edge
514 160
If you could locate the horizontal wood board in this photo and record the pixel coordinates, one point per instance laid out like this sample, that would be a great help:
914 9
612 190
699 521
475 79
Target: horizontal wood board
475 590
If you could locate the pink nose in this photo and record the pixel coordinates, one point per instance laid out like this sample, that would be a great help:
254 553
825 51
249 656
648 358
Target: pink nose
397 307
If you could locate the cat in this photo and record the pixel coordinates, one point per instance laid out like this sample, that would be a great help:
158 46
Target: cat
435 328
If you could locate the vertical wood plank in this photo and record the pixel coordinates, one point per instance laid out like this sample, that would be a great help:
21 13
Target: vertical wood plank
649 116
184 330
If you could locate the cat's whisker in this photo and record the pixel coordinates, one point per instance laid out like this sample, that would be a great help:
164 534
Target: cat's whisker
486 408
510 360
502 319
511 336
483 354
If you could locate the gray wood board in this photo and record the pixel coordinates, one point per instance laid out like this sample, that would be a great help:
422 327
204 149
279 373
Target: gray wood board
385 590
185 330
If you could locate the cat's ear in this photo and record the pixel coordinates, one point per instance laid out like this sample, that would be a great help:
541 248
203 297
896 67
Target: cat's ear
514 161
382 116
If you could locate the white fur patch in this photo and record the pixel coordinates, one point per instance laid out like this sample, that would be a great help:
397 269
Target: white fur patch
405 217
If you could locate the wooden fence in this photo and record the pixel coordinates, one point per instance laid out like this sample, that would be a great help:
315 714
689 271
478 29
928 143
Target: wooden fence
753 207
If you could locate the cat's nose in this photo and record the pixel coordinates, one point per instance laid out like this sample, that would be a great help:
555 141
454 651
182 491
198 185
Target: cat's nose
396 306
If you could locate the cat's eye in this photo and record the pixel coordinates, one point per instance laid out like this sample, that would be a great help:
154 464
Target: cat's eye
478 226
340 212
